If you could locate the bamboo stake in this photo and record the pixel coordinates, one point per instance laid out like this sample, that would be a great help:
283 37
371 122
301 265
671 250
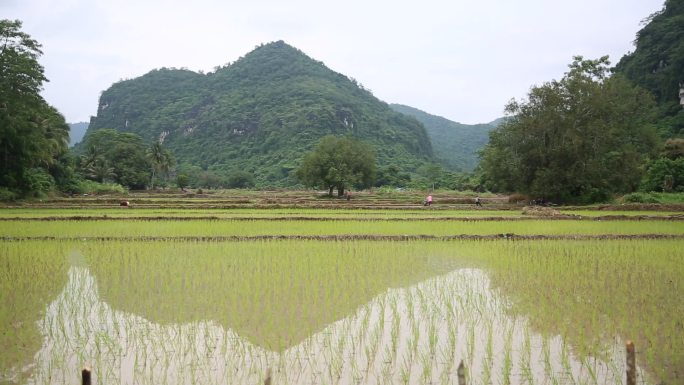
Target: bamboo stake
85 376
631 364
461 374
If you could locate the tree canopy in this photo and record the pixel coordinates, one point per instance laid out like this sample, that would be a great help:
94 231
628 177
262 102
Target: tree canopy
161 160
33 135
657 64
577 139
338 163
112 156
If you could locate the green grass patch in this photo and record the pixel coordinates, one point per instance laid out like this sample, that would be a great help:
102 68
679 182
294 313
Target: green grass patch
219 228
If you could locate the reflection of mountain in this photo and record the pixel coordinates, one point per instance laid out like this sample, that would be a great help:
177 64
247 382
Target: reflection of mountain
418 334
275 294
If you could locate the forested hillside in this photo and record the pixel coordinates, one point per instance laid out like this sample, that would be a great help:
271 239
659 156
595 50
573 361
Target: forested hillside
455 145
657 64
259 115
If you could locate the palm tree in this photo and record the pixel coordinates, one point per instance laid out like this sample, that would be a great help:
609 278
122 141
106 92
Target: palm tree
99 170
161 160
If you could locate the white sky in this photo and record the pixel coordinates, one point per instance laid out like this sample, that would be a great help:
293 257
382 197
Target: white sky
461 59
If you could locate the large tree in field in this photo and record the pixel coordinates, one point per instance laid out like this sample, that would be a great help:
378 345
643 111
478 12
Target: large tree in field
577 139
32 133
338 163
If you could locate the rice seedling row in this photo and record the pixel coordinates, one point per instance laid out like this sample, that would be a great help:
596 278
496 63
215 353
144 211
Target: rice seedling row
199 228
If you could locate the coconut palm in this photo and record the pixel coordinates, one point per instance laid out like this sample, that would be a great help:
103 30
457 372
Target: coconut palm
160 159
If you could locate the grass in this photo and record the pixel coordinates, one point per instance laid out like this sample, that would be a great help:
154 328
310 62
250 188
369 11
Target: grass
217 228
31 275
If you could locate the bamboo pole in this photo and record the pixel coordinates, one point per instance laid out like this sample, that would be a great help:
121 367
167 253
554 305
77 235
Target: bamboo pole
461 374
85 376
631 364
267 381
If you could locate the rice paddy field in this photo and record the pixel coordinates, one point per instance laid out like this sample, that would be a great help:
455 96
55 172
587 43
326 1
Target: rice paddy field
235 287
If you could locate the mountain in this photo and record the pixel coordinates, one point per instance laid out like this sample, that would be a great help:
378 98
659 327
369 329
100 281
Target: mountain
76 132
259 115
455 145
657 64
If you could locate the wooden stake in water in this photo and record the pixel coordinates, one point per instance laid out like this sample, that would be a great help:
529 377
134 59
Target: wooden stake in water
267 381
461 374
631 364
85 376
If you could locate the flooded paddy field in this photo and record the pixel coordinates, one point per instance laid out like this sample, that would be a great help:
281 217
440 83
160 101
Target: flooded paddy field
184 308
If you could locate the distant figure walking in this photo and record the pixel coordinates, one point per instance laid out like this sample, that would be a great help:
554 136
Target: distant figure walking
428 200
348 195
477 202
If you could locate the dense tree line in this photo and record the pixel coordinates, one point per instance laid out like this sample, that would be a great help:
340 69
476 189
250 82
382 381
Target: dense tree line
657 64
581 138
599 131
33 135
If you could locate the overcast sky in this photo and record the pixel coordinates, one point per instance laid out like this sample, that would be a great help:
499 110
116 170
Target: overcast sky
461 59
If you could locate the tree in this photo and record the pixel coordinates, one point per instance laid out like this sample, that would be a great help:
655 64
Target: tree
657 64
664 174
338 162
32 133
182 181
160 159
577 139
240 179
115 156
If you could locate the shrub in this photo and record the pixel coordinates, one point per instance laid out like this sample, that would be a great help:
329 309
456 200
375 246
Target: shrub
39 182
240 179
640 197
7 195
92 187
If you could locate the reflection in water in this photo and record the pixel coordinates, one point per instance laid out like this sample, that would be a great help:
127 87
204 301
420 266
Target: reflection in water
409 335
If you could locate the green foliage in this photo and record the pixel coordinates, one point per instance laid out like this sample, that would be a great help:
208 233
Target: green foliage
210 179
674 148
640 197
112 156
657 64
456 145
240 179
96 188
579 139
32 133
392 176
161 160
182 181
664 175
38 181
259 115
7 195
338 162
